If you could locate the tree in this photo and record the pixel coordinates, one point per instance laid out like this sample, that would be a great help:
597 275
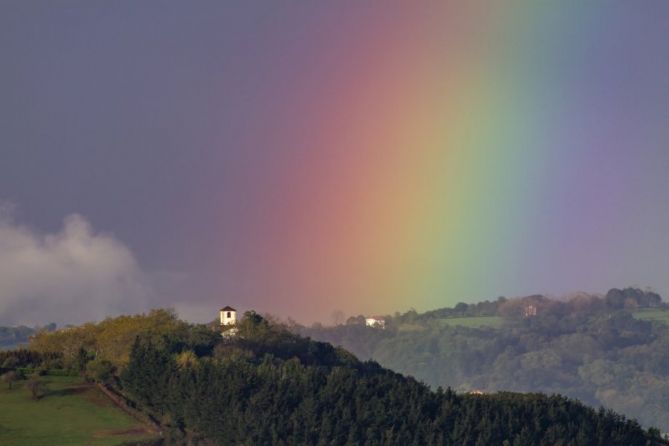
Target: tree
10 377
10 363
36 387
356 320
187 359
100 370
338 317
110 339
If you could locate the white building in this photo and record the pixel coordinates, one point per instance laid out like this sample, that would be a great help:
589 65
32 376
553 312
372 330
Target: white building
228 321
375 322
228 316
529 311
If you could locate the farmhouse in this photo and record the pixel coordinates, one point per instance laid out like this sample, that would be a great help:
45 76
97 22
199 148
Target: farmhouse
529 310
375 322
476 392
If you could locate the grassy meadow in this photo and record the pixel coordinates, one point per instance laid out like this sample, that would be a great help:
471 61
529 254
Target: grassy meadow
470 322
70 413
653 314
474 322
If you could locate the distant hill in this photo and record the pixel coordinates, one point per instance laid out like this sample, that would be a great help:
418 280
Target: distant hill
13 337
610 350
18 336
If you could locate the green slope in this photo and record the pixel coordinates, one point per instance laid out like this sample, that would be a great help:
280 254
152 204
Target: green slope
70 413
653 314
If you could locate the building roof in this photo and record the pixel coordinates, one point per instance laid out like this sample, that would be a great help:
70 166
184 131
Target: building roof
228 308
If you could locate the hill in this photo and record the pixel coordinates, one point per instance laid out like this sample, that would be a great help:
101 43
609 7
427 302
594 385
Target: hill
267 385
608 350
13 337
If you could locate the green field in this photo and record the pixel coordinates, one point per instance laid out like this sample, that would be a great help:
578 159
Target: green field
653 314
474 322
70 413
411 327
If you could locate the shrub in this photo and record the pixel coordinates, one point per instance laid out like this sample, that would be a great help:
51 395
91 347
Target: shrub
100 370
10 377
36 387
10 363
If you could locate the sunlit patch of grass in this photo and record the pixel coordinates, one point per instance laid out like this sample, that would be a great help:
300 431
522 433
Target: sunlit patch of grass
411 327
474 321
653 314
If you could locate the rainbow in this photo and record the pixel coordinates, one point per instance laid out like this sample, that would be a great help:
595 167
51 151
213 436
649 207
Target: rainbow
413 156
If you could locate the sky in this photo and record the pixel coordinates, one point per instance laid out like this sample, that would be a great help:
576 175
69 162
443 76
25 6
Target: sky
300 158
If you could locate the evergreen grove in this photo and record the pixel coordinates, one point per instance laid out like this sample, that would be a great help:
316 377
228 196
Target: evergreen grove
268 386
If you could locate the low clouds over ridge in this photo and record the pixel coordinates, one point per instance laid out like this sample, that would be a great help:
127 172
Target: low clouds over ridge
71 276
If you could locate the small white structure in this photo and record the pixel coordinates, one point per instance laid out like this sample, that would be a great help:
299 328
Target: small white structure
228 316
375 322
228 321
529 311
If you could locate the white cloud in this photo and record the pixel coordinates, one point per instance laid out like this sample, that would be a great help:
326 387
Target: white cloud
71 276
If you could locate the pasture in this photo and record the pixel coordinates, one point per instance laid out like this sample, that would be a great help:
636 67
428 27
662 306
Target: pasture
69 413
474 321
653 314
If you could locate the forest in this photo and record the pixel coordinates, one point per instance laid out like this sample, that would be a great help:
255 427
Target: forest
610 350
268 385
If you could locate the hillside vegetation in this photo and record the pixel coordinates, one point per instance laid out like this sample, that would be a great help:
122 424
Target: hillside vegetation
610 350
268 385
